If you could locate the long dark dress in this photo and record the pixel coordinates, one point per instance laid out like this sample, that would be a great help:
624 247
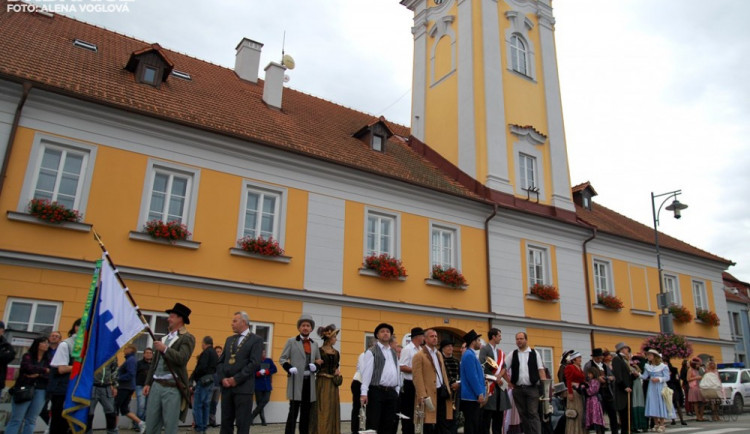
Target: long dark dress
328 408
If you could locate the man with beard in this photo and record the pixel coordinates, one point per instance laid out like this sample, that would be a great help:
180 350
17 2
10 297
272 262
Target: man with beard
300 359
472 384
380 387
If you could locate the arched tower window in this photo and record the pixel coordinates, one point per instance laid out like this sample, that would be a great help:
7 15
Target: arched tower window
518 54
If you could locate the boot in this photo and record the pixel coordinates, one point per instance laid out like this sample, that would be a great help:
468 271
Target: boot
679 413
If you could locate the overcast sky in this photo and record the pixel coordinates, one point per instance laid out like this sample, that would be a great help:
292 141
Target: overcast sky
655 92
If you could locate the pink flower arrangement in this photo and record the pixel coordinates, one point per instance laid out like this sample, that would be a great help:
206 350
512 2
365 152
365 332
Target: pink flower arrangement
386 266
671 346
260 245
449 276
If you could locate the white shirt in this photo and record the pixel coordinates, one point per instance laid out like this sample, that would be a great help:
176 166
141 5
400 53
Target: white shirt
360 363
438 369
407 354
62 355
523 366
389 377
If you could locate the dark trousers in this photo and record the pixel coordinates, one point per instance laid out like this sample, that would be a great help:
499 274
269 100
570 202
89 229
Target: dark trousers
624 421
472 418
58 425
44 414
261 399
301 408
441 425
406 407
492 419
356 405
526 399
235 407
382 404
609 408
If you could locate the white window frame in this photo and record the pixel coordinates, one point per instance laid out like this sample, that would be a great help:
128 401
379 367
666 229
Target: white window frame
526 145
369 338
281 208
455 247
267 345
191 195
40 144
520 26
519 58
608 287
378 142
700 298
548 356
673 287
735 322
544 253
34 305
151 316
523 162
395 238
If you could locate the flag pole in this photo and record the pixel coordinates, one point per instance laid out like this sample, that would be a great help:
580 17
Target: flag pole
180 386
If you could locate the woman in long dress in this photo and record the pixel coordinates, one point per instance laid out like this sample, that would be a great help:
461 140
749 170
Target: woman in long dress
573 379
657 373
639 422
327 393
695 397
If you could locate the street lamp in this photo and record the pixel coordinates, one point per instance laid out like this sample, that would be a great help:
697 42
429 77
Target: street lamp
663 300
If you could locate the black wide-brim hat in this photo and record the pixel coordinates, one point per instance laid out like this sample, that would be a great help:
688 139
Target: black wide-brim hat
471 337
597 352
181 310
383 325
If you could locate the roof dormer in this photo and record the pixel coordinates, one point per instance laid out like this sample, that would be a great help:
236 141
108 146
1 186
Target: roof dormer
583 194
375 135
150 65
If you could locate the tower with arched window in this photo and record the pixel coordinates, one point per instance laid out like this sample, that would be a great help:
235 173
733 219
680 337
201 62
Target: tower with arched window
486 94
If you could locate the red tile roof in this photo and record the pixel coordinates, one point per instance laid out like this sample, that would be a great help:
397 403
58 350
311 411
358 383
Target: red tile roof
732 284
40 50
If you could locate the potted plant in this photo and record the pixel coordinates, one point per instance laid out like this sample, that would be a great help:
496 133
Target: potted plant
671 346
386 266
449 276
260 245
681 314
610 301
545 292
52 212
170 231
708 317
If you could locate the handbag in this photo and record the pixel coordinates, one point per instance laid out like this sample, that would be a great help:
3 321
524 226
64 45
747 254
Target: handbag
571 413
22 394
667 393
206 380
337 380
443 393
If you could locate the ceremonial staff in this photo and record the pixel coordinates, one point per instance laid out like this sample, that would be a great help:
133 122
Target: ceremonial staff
180 386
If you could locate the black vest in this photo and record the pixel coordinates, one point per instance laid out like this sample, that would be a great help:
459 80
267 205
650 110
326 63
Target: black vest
533 368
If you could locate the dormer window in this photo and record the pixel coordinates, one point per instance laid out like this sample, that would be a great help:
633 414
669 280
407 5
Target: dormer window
583 195
150 65
377 142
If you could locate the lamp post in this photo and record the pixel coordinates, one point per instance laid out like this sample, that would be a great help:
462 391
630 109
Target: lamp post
663 300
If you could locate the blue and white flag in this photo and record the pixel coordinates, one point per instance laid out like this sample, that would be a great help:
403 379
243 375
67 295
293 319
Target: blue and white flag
113 322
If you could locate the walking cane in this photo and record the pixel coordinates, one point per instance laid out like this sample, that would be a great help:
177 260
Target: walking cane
630 427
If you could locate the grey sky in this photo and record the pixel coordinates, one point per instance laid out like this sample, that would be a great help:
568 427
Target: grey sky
655 94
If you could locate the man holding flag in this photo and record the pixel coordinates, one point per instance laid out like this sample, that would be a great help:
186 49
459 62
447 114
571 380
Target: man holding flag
109 322
167 379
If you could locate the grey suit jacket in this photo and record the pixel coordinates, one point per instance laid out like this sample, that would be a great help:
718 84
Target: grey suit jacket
246 362
294 355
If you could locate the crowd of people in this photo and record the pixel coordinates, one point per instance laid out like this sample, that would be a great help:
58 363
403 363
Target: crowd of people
428 386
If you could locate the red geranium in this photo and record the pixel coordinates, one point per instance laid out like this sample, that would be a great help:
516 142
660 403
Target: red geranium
52 212
610 301
171 231
449 276
681 314
708 317
386 266
260 245
545 292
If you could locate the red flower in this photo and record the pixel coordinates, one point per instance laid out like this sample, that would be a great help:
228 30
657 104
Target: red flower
52 212
610 301
171 231
545 292
450 276
261 246
386 266
681 314
708 317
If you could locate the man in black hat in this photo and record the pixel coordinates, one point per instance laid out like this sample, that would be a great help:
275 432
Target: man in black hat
380 388
167 378
606 387
406 400
472 384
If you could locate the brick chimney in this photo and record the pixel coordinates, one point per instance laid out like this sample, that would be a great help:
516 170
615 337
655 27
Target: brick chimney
247 59
273 85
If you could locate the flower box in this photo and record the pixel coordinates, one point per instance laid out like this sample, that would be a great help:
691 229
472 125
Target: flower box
448 276
170 231
385 266
52 212
681 314
708 317
610 302
545 292
671 346
260 246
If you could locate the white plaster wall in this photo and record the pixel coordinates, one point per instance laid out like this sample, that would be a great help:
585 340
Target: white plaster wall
572 284
324 250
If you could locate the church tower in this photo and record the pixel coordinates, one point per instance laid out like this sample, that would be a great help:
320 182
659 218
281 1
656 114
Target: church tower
486 94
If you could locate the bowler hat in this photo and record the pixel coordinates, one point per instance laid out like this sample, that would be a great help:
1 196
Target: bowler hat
417 331
306 317
597 352
558 388
471 337
182 311
445 343
620 346
383 325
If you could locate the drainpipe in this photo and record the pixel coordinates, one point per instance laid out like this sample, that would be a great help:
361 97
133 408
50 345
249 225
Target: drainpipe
589 307
487 250
11 138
